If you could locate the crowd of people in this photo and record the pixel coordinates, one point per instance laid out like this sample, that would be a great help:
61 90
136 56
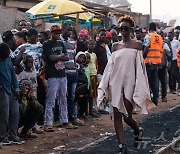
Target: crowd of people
51 78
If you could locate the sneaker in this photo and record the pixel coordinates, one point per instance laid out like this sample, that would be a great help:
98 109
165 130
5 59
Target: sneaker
122 149
17 141
69 126
138 137
6 142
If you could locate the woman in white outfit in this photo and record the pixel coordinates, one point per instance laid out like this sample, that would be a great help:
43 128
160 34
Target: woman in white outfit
125 83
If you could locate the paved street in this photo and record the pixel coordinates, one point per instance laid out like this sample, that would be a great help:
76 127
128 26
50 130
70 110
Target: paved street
159 131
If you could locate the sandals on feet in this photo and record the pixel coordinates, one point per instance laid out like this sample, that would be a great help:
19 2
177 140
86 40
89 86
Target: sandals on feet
48 128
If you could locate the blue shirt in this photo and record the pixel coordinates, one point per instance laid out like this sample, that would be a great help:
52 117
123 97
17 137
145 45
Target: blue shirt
8 80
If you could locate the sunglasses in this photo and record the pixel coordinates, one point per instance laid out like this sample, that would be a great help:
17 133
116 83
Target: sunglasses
124 28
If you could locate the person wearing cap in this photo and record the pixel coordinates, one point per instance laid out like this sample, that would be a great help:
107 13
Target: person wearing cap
114 36
108 44
56 55
83 35
138 34
81 46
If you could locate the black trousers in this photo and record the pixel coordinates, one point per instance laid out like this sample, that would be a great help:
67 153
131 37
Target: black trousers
30 117
82 105
174 76
162 74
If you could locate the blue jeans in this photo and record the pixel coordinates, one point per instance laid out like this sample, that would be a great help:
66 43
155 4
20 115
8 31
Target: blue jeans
152 72
9 116
56 87
71 86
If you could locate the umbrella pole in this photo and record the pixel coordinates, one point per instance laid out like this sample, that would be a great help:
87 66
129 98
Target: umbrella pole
77 21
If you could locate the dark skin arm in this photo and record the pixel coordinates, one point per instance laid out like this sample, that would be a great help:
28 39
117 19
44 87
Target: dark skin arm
145 52
62 57
19 57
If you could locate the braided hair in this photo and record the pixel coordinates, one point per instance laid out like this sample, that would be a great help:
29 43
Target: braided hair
128 19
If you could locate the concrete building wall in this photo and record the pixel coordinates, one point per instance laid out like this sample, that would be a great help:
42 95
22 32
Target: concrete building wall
9 17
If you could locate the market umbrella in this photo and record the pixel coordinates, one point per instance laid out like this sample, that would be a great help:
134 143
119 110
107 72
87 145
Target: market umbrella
94 21
59 7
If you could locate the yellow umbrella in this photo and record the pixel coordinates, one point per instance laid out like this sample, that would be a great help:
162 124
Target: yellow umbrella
59 7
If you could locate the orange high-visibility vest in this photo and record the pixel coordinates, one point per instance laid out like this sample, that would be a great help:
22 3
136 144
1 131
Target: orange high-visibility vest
155 51
178 56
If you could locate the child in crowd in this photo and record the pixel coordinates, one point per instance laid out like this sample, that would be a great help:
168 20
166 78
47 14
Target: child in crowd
87 72
29 107
31 75
93 79
9 109
82 85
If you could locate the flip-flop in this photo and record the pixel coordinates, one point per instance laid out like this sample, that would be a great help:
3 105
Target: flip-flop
48 128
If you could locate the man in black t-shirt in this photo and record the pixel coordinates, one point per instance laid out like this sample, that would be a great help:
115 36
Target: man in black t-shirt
55 54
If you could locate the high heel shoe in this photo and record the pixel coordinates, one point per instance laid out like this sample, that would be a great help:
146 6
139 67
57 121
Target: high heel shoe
138 137
122 149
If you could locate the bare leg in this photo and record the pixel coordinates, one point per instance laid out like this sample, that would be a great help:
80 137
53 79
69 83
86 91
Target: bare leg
118 126
129 119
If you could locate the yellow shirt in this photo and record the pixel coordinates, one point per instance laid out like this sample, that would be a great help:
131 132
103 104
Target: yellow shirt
92 64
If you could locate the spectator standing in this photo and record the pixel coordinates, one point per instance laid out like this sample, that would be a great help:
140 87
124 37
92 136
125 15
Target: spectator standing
9 107
100 51
56 54
153 55
174 71
71 71
162 72
93 79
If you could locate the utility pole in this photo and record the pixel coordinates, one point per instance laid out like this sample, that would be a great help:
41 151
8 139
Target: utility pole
150 11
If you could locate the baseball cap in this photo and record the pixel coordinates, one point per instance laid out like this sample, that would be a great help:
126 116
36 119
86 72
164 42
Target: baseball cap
55 28
32 31
83 32
138 30
108 34
7 36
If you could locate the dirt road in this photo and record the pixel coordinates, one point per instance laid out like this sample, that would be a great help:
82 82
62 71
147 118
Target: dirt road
85 137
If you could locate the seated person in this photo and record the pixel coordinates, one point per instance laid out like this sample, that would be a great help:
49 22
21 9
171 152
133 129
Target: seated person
29 108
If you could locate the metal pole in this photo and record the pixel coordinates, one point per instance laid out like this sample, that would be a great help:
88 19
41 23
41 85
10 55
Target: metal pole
150 11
